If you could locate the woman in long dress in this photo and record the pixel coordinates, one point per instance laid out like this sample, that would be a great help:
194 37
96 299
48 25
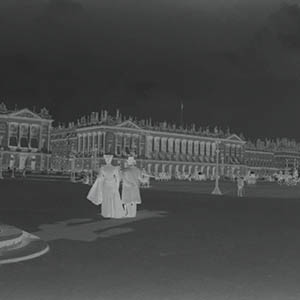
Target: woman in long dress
105 191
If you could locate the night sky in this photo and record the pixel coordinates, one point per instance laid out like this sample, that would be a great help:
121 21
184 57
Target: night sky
232 62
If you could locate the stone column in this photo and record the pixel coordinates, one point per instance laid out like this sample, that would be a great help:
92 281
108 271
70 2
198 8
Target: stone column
208 171
83 142
78 143
202 148
103 141
148 145
116 142
99 141
213 149
177 146
139 144
226 152
164 144
129 141
19 134
207 152
40 136
48 141
190 147
135 143
29 136
171 145
8 133
238 152
232 150
93 140
183 146
88 142
196 148
157 143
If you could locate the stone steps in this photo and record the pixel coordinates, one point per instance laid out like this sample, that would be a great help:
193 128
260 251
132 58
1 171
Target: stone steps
17 245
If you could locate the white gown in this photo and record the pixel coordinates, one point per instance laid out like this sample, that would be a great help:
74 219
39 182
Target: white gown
105 191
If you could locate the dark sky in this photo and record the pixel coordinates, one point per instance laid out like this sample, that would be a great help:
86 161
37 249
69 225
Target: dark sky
233 63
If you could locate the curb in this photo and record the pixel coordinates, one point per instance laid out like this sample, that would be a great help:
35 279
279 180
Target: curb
28 247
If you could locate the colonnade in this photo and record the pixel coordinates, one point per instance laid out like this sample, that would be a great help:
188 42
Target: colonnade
113 142
208 170
190 147
87 142
123 143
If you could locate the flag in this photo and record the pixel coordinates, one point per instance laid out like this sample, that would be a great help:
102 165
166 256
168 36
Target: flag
181 106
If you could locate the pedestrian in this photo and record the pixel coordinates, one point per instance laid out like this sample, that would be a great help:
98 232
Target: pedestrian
146 179
131 178
240 186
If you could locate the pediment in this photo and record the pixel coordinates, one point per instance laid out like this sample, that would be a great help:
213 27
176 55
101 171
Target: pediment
129 124
235 138
25 113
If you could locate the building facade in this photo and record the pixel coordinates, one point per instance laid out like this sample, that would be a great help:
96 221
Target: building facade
265 157
158 147
25 139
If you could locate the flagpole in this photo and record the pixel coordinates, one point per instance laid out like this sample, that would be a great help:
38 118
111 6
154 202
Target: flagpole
181 113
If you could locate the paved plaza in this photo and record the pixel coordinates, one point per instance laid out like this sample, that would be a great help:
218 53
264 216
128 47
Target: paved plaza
184 244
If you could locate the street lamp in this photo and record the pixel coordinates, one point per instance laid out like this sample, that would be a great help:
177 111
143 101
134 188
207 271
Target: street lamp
73 172
1 164
12 166
217 190
93 165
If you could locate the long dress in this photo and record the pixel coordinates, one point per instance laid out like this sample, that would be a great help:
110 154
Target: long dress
105 191
131 178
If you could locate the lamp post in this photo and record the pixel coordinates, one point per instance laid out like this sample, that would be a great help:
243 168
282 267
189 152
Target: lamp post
93 165
222 165
217 190
1 164
73 174
12 166
71 171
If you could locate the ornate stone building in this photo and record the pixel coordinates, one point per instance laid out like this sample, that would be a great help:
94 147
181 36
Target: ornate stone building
158 147
25 138
269 156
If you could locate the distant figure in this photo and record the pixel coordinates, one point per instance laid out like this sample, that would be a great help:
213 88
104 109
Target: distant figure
131 177
146 179
295 174
105 191
86 178
240 186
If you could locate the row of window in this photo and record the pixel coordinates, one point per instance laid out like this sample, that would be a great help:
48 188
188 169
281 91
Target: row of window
190 147
24 142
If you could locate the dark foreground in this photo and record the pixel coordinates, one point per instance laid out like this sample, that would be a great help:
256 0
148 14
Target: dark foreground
184 244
